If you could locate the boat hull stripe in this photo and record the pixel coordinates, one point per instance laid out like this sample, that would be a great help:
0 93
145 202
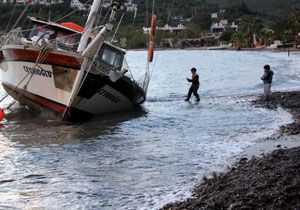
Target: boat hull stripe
31 56
38 99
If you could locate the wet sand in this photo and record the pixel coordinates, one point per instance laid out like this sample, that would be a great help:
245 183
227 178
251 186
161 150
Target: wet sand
267 181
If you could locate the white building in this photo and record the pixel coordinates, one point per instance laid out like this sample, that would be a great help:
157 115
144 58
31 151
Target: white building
106 3
21 1
47 2
222 26
78 4
6 1
44 2
214 15
166 28
130 7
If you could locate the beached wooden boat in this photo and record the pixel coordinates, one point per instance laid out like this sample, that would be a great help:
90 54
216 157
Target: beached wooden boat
71 70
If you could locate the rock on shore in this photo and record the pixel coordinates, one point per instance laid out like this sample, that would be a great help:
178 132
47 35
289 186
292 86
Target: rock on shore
268 182
289 101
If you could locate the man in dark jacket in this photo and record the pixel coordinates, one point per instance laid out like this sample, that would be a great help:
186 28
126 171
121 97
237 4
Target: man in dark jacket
267 79
195 85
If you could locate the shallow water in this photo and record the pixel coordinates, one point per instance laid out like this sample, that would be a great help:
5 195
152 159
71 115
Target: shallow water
147 158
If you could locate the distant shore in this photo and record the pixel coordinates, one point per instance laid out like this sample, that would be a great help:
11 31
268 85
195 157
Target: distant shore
227 49
270 181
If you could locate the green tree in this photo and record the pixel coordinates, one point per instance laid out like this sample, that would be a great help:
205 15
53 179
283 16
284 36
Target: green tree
227 35
250 25
237 11
201 20
238 40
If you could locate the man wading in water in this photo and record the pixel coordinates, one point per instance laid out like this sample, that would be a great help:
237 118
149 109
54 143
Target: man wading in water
195 85
267 78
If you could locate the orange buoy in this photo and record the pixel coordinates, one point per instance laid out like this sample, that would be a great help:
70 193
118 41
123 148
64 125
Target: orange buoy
150 51
153 26
2 115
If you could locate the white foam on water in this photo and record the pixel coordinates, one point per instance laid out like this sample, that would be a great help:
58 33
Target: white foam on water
235 145
149 161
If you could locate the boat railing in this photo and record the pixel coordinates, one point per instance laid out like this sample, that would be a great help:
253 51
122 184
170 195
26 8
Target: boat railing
99 67
66 43
13 37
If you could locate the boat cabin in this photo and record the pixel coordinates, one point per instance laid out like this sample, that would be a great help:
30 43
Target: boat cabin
111 55
64 35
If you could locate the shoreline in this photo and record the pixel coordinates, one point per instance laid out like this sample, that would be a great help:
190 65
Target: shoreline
291 50
265 176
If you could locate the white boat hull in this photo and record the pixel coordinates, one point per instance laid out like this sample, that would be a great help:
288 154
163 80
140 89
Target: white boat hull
48 88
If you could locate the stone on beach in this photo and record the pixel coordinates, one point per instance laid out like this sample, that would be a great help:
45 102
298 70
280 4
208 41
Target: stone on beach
267 182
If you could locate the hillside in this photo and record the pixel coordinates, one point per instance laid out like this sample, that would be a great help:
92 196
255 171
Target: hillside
273 7
165 9
267 9
264 7
253 16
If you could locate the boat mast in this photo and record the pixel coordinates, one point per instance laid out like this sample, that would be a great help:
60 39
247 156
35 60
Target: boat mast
89 25
90 51
82 46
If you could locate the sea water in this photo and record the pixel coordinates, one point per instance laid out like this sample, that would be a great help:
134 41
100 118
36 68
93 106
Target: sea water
147 158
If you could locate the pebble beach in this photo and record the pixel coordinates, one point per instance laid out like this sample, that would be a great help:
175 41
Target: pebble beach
265 181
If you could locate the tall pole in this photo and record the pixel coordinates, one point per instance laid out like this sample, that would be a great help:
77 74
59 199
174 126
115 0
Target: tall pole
89 25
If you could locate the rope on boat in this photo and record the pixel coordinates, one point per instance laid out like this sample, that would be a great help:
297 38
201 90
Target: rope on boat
10 17
43 53
113 37
170 11
91 62
19 18
69 14
150 46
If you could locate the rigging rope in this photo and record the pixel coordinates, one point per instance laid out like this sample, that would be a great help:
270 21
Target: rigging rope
43 53
19 18
83 79
69 14
163 34
117 28
10 18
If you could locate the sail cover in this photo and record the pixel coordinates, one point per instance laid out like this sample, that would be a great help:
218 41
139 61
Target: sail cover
73 26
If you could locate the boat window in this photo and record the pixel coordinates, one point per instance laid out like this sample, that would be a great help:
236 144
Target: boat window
112 58
118 60
64 77
61 37
67 41
36 33
44 31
